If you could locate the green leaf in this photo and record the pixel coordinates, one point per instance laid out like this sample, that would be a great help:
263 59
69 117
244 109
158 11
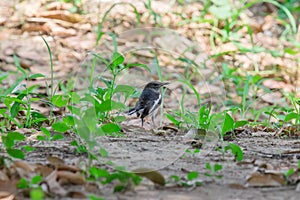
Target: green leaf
228 124
172 119
41 138
103 152
137 65
175 178
28 148
124 89
98 172
290 51
16 136
7 142
89 119
60 127
34 76
105 106
17 64
59 100
291 116
36 194
75 98
36 179
117 105
119 119
208 166
14 109
116 60
46 132
57 137
23 184
221 12
192 175
217 167
236 151
240 123
92 197
110 128
16 153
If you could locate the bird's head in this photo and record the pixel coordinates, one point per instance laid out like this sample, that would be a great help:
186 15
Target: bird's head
155 85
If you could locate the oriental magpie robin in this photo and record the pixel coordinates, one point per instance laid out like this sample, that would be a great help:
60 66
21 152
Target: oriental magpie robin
149 101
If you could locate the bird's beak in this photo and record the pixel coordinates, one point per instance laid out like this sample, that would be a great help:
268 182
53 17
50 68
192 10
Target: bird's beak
163 84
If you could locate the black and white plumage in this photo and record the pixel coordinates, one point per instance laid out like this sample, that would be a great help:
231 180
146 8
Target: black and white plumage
149 101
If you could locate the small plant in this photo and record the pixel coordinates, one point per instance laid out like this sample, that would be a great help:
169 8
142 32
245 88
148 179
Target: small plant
213 171
191 180
36 192
293 114
125 179
77 5
236 151
9 141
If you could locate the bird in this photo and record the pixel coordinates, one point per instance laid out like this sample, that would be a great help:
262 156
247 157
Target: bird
149 101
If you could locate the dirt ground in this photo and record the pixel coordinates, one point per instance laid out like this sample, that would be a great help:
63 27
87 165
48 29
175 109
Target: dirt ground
167 155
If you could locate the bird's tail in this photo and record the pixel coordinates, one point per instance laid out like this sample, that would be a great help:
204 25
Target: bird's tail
131 111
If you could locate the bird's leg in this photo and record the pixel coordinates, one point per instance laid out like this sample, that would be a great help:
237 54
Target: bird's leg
152 117
142 122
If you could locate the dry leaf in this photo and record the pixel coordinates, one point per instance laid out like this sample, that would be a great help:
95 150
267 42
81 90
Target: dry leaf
55 161
151 174
53 185
70 177
62 15
268 178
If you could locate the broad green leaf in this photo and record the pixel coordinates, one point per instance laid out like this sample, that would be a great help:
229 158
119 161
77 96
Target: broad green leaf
228 124
105 106
41 138
208 166
124 89
16 153
57 137
217 167
117 105
60 127
46 132
16 136
59 100
221 12
119 119
28 148
240 123
192 175
15 109
291 116
236 151
36 179
172 119
23 183
90 119
75 98
36 194
110 128
103 152
98 172
116 60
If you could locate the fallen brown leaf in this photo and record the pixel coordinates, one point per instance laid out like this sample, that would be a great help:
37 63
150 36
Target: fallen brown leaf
151 174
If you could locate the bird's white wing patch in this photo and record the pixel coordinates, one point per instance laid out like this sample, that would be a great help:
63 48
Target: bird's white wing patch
155 105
